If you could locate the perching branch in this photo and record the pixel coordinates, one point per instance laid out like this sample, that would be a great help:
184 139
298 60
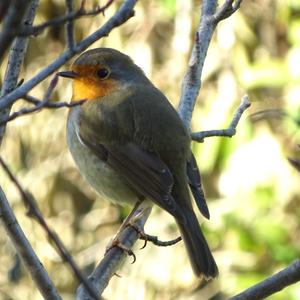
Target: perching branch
273 284
127 236
231 130
34 212
121 16
112 260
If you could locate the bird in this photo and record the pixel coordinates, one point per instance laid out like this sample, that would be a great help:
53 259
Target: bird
130 144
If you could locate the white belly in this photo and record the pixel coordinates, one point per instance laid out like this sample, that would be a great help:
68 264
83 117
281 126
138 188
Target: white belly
99 175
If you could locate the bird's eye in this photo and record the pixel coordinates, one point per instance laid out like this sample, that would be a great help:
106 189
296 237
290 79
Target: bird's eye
103 73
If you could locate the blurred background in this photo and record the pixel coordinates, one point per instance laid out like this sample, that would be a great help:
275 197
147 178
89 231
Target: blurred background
252 191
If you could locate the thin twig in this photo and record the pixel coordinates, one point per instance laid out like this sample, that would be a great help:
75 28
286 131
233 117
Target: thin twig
71 16
38 104
273 284
231 130
121 16
53 104
70 26
34 212
226 10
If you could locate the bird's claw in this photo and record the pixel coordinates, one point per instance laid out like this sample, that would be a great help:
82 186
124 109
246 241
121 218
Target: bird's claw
118 244
141 233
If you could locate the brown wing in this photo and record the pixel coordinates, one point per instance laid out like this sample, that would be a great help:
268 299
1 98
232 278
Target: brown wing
144 171
196 187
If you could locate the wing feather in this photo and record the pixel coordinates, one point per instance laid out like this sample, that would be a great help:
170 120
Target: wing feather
196 187
143 170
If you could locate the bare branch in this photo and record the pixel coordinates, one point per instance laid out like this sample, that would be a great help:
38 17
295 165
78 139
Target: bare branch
38 104
53 104
69 17
15 62
122 15
231 130
273 284
24 249
14 14
34 212
192 80
70 26
112 260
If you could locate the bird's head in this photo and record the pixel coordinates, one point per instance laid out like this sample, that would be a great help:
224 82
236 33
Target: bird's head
98 72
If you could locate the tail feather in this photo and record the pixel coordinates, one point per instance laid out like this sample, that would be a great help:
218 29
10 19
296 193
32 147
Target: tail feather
198 250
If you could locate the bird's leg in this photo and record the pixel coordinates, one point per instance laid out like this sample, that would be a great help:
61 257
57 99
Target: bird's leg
128 218
131 220
127 222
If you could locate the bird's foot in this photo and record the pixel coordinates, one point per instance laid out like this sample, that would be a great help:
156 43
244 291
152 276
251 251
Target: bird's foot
129 221
149 238
116 243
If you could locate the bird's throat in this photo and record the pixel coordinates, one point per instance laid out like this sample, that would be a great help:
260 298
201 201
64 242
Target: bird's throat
91 90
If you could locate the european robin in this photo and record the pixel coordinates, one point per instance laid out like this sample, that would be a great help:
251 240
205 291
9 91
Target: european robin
130 144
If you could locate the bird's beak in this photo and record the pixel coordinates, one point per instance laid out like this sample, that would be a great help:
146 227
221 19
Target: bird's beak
68 74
